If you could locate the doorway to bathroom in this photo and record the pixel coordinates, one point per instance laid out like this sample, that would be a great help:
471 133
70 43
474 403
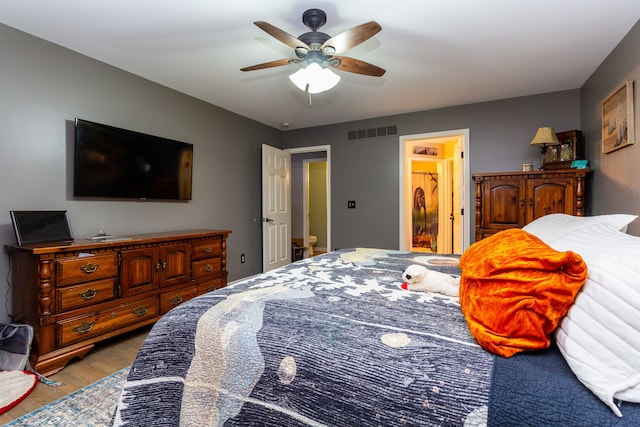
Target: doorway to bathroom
432 192
310 200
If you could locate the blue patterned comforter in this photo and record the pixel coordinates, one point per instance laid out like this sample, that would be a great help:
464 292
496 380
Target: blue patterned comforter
331 340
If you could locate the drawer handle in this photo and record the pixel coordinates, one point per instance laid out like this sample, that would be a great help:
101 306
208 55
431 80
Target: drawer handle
207 249
83 328
208 268
211 288
141 311
176 300
89 268
89 294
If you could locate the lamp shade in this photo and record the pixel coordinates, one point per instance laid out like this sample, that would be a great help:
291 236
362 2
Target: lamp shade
314 78
545 136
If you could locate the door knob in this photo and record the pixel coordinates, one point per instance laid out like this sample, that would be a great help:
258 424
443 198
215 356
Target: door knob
267 220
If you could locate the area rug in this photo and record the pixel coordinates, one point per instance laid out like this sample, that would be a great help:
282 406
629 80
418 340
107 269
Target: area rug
14 387
91 406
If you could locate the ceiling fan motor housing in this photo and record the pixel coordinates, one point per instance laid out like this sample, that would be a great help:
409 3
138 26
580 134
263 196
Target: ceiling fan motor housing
314 19
314 38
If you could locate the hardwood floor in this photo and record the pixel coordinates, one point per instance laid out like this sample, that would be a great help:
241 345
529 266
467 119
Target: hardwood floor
106 358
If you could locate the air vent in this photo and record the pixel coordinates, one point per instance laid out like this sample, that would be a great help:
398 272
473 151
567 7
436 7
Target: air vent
372 132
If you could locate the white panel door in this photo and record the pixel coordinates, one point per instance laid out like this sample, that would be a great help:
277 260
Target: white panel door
276 208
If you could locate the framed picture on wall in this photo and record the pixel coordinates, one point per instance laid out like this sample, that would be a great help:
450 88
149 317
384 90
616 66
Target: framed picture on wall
617 119
426 150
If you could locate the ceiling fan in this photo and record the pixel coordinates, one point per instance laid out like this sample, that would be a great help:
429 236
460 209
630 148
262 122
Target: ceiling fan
317 47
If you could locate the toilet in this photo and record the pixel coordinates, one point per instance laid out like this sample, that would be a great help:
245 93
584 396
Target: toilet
312 242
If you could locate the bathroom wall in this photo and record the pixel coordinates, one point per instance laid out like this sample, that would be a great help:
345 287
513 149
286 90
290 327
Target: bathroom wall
318 203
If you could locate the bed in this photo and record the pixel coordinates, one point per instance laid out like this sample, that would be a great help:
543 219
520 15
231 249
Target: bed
334 340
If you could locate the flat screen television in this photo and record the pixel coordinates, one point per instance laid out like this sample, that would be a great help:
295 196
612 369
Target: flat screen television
41 226
110 162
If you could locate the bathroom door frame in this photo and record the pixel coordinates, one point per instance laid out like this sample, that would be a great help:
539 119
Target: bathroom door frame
405 157
306 223
313 149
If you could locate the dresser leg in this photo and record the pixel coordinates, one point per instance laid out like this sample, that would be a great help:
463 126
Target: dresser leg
51 363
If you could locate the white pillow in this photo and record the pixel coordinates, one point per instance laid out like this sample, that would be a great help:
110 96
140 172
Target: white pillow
551 227
600 335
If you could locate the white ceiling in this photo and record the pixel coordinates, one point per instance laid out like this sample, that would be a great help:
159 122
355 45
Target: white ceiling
437 53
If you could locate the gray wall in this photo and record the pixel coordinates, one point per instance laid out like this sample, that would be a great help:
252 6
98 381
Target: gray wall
44 87
367 170
615 186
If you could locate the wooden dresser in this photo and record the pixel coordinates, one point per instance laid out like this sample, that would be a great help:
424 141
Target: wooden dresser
513 199
87 291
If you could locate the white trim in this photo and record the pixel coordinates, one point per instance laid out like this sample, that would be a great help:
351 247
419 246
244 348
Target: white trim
405 158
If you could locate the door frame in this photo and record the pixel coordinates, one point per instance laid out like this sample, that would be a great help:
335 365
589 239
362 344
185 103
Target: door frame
327 150
405 141
306 226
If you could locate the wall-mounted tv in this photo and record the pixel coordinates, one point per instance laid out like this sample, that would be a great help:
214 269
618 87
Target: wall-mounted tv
110 162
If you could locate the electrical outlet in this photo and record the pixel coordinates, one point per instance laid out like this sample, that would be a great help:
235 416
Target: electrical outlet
242 258
351 204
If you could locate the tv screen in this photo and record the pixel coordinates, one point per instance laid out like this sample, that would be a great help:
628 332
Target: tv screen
41 226
117 163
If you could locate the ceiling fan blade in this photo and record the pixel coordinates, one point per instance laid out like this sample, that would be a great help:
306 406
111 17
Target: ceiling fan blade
356 66
282 36
351 38
271 64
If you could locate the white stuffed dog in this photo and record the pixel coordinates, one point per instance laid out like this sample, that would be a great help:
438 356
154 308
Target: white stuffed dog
421 279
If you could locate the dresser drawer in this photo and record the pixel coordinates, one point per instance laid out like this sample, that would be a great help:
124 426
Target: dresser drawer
206 268
96 323
86 294
169 300
82 269
210 285
207 248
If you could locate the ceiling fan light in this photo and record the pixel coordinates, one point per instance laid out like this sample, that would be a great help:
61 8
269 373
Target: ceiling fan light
314 79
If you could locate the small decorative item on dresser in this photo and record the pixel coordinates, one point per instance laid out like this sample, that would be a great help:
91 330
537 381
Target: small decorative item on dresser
580 164
527 167
546 137
570 148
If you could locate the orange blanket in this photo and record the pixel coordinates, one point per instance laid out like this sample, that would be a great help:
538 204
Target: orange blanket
514 290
